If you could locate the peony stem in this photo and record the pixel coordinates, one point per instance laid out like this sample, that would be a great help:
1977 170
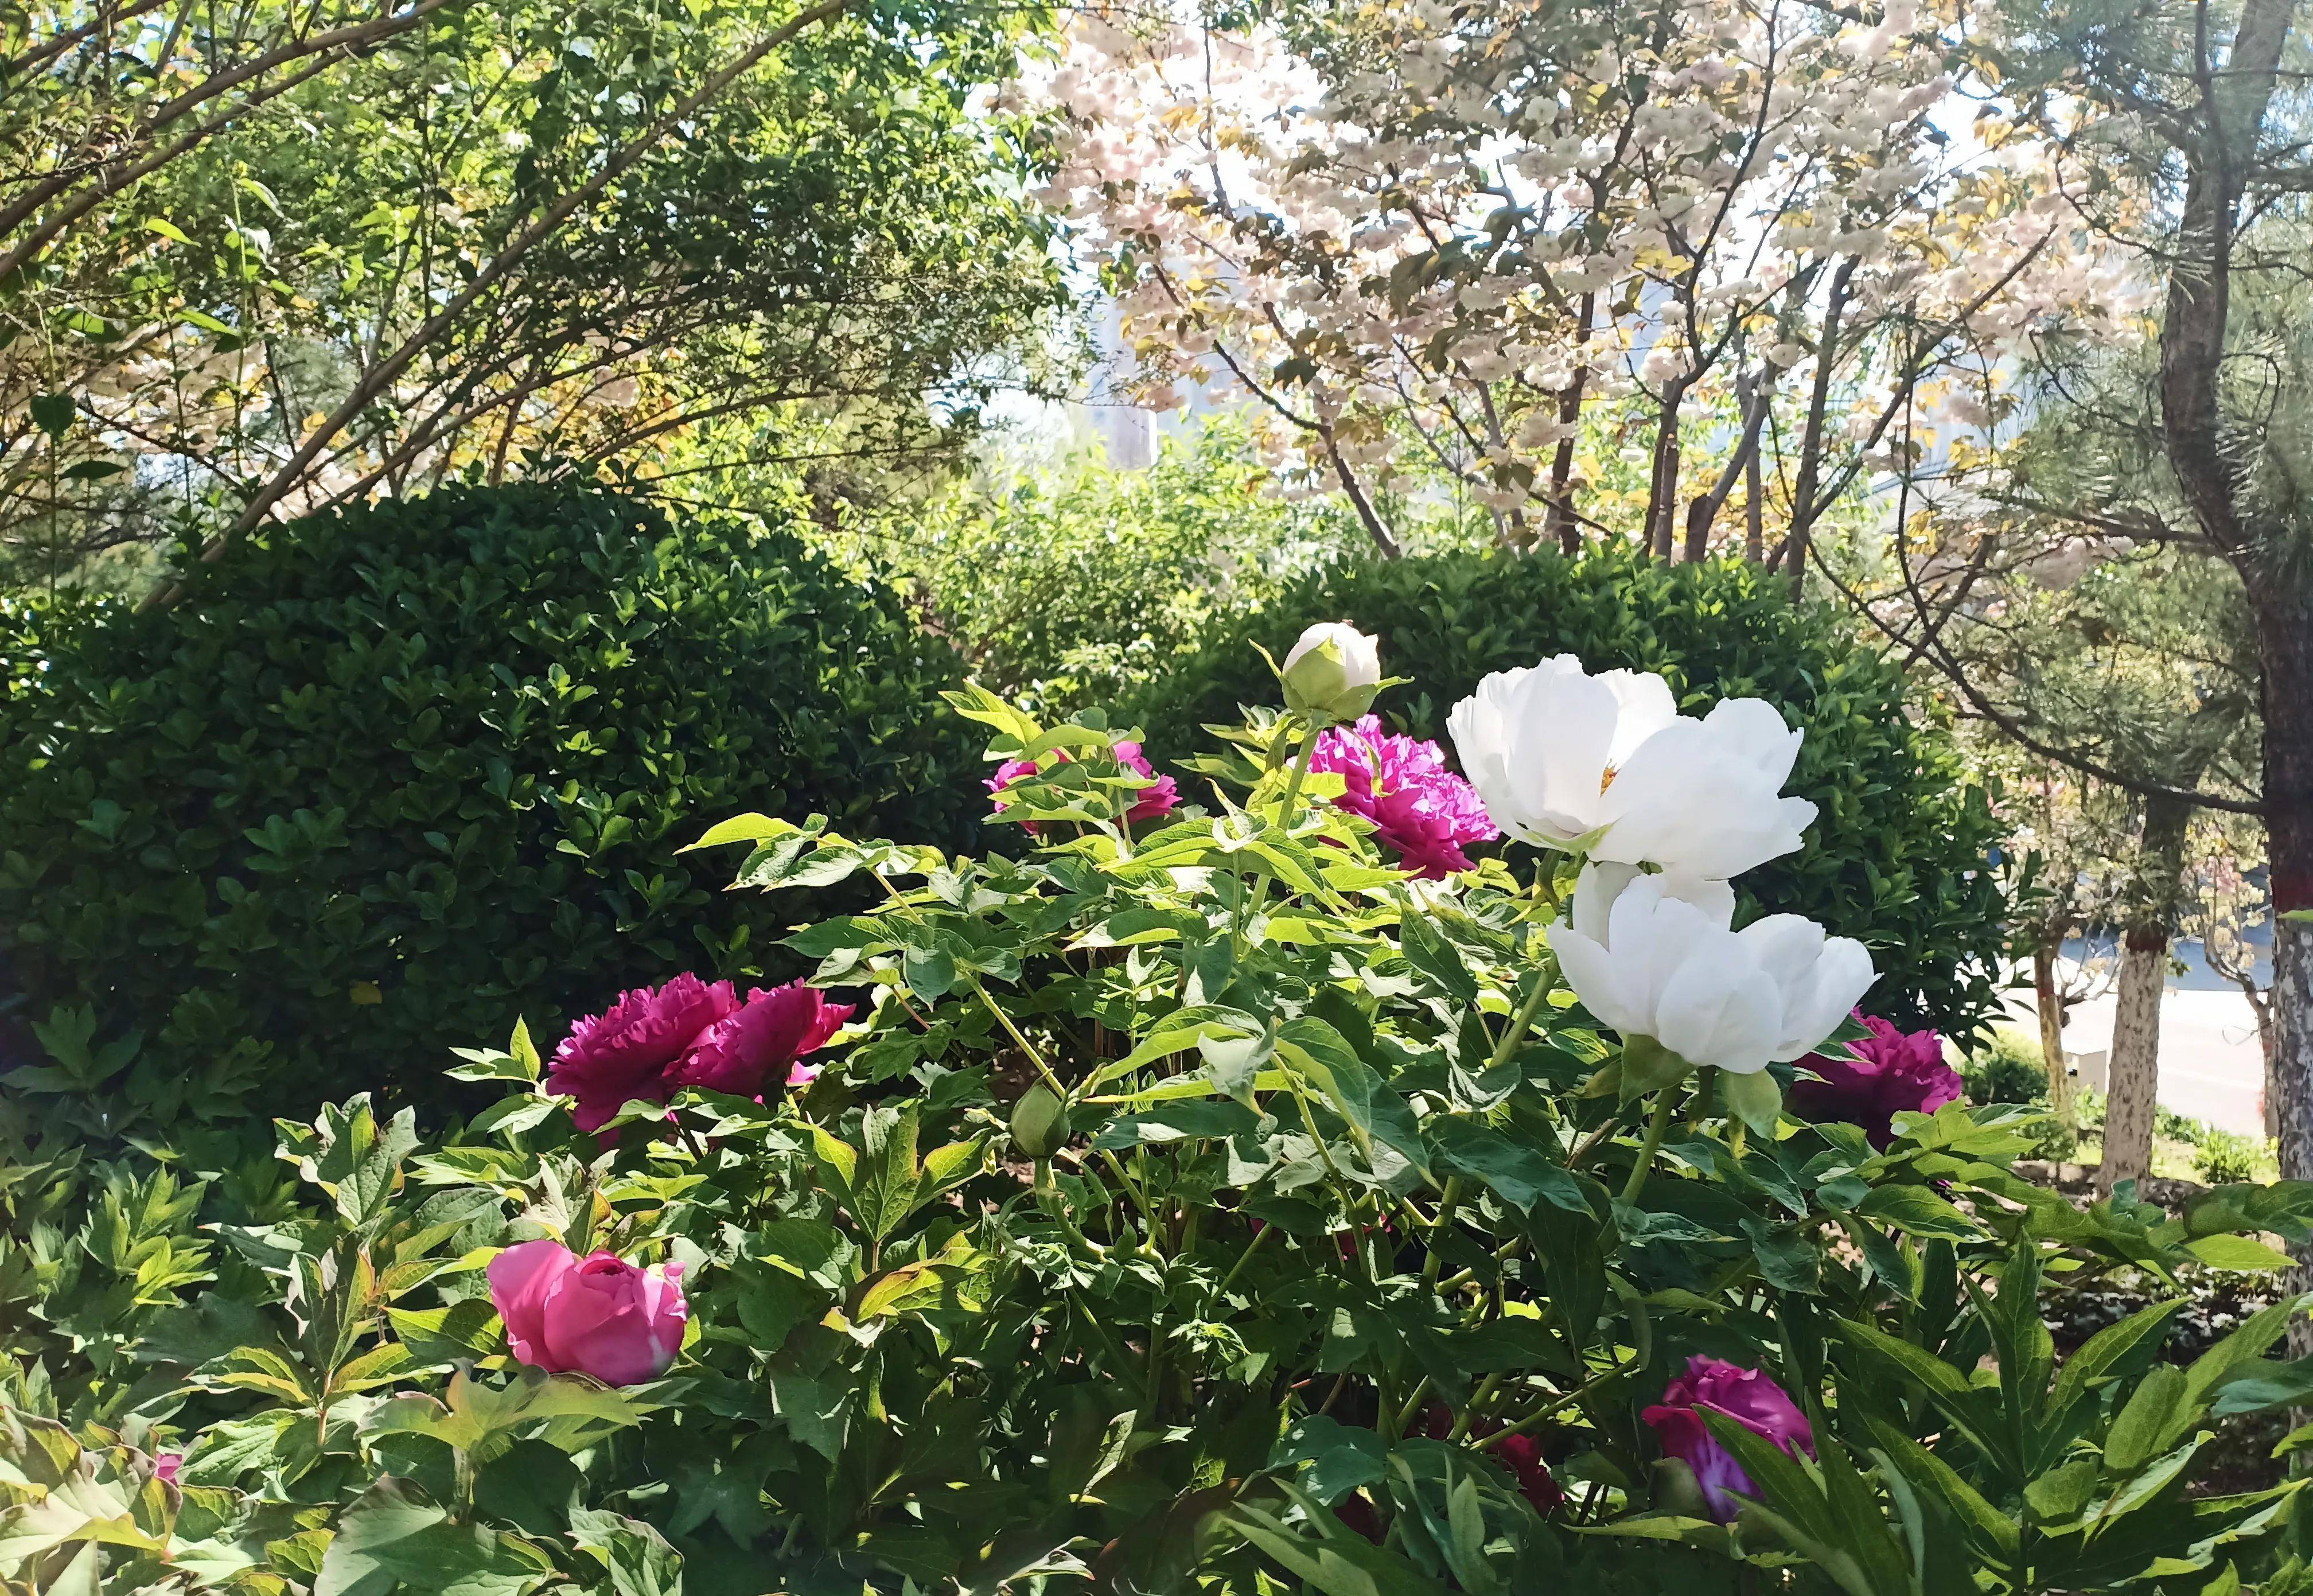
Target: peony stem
1285 815
1446 1203
1300 774
1519 1021
1406 1415
1055 1203
1025 1045
1589 1143
1469 1409
1666 1100
1243 1258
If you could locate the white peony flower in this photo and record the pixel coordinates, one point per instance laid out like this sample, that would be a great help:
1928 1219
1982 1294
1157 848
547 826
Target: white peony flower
1668 967
1538 743
1558 755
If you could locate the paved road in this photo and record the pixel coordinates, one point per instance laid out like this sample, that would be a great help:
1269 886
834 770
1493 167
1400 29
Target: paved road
2211 1066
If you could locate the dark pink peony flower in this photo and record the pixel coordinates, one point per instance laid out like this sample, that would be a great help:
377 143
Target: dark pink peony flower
1892 1070
762 1038
1747 1396
1520 1454
166 1466
1152 802
623 1054
1417 805
597 1315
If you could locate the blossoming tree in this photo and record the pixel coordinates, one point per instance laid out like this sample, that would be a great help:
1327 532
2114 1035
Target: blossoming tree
1536 247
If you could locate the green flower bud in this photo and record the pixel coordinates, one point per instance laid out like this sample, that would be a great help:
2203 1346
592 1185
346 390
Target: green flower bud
1040 1122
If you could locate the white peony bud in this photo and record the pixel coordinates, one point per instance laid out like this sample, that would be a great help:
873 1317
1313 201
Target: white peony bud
1333 673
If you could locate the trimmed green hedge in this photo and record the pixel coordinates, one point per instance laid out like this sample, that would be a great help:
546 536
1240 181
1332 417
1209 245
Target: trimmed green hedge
1899 856
380 780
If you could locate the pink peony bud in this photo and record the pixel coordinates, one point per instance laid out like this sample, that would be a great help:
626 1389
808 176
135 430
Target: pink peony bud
1891 1072
743 1050
1152 802
1747 1396
597 1315
1417 805
622 1054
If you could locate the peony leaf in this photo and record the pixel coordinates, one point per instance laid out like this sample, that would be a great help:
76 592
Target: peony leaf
2161 1406
2238 1252
1918 1211
640 1561
750 828
1756 1099
1519 1171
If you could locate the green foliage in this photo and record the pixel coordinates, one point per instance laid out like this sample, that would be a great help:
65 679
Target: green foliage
2226 1158
1070 587
839 230
1331 1208
2006 1068
380 777
1898 855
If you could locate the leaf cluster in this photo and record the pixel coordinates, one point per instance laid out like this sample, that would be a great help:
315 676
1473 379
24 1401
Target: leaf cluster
1199 1203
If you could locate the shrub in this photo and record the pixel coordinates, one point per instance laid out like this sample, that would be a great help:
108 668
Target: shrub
2006 1068
1899 856
1067 588
380 778
1192 1205
2226 1158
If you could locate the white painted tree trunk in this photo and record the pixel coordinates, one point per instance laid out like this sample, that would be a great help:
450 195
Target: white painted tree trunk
2135 1059
2135 1084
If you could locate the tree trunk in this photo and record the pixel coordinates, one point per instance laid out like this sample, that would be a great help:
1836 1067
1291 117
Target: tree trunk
2221 153
2271 1097
2128 1109
2051 1005
1662 490
1755 508
2136 1058
1811 442
2285 635
1562 521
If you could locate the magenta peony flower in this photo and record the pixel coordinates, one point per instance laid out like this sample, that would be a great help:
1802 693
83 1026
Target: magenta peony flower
623 1054
763 1036
1892 1070
1747 1396
1152 802
597 1315
166 1466
1417 805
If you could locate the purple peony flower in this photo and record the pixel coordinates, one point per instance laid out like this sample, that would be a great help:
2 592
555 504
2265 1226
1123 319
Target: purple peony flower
1417 805
1152 802
1892 1070
623 1053
764 1037
1747 1396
